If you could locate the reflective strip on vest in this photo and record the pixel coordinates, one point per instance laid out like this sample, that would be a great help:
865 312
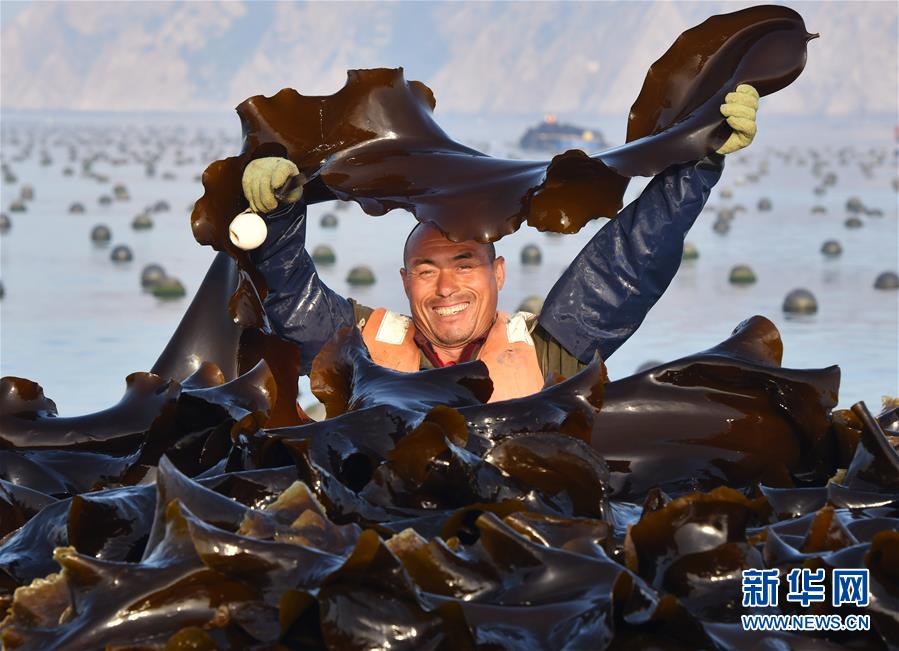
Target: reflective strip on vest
393 328
508 351
403 356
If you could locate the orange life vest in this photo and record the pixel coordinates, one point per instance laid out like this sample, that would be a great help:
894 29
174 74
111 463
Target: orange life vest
508 351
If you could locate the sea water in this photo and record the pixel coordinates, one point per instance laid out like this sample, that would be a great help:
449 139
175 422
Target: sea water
77 323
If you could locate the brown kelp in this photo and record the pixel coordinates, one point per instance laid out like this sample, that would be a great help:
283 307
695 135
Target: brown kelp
466 526
205 510
375 141
776 419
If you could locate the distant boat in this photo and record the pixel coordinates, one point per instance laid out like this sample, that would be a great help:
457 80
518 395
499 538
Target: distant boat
554 136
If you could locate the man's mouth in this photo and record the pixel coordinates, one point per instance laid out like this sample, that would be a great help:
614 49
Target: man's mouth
450 310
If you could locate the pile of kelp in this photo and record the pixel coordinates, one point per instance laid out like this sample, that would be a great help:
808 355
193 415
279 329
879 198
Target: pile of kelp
593 514
206 510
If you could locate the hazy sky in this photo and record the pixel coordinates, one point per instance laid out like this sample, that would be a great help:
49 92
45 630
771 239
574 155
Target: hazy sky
9 8
479 57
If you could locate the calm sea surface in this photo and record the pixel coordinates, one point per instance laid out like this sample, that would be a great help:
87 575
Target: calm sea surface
77 323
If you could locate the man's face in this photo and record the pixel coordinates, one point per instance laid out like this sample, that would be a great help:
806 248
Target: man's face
452 287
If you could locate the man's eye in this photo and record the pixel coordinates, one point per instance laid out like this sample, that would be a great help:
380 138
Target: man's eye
426 273
464 268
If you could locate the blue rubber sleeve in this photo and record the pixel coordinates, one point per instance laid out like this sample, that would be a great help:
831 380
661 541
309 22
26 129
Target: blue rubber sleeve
610 286
299 305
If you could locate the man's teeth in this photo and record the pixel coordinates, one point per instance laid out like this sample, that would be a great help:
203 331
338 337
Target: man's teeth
449 311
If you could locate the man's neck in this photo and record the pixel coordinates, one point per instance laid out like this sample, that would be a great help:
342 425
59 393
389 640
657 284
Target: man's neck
447 355
441 356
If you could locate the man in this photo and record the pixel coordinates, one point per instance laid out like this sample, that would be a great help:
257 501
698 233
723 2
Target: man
453 287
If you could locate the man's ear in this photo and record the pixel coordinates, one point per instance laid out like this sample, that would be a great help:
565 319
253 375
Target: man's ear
499 271
405 277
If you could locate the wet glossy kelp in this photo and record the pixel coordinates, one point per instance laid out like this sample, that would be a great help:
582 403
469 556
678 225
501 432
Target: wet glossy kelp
205 510
375 140
407 520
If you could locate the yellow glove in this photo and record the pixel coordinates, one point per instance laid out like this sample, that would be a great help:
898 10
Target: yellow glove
262 177
739 108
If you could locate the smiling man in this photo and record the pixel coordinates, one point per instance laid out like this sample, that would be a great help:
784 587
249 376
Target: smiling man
452 290
453 287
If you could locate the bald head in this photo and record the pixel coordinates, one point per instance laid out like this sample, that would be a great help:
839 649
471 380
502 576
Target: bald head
424 231
452 288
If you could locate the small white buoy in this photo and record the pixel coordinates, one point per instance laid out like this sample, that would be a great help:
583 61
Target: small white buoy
247 231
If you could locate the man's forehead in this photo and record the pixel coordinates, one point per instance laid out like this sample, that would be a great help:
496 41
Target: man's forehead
428 241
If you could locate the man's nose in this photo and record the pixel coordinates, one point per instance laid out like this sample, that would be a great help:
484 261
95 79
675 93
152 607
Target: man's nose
446 283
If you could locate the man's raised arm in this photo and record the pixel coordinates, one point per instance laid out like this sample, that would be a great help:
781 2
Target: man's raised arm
609 288
299 305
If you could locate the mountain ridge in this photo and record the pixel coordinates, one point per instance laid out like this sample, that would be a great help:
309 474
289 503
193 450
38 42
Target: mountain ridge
479 58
